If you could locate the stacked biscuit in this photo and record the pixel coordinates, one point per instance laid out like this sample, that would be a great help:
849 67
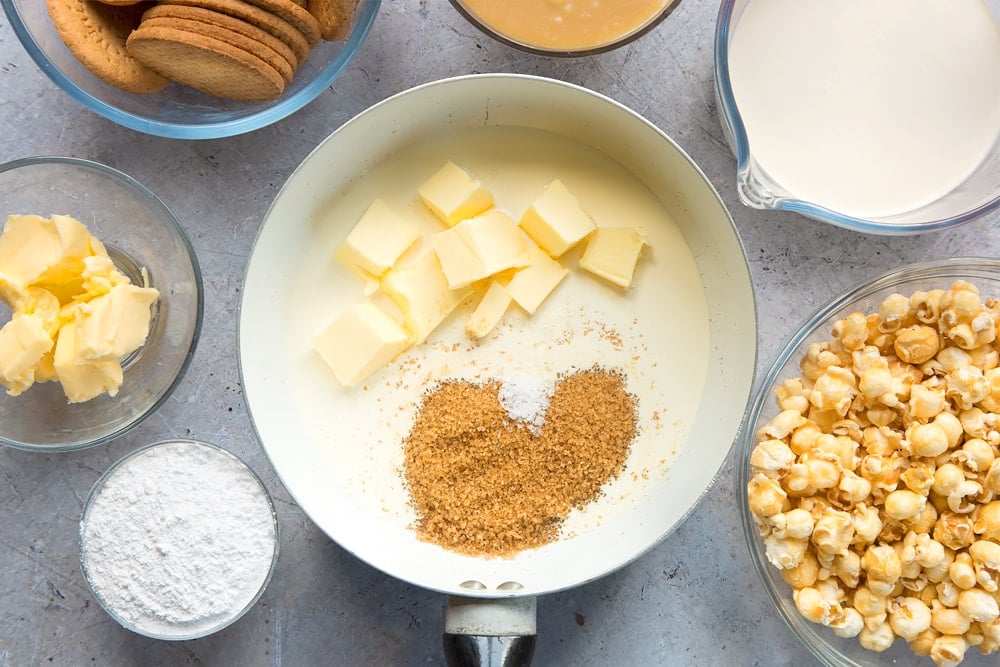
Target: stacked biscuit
237 49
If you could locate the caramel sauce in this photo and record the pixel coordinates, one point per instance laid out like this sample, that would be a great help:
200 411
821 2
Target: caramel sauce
565 25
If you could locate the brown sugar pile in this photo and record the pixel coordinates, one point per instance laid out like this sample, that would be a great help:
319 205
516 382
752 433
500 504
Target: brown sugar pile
484 484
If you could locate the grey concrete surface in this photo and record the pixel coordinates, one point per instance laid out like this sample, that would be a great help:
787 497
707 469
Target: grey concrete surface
693 600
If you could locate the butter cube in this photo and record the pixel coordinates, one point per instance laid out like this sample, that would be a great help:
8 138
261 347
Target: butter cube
461 266
530 286
114 324
376 241
489 312
454 195
361 340
83 379
494 237
479 247
555 220
612 254
421 291
23 343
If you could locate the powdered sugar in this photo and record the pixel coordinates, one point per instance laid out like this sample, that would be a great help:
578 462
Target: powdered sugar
179 540
526 400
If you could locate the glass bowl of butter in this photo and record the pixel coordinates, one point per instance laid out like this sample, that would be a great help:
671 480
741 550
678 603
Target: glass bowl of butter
101 303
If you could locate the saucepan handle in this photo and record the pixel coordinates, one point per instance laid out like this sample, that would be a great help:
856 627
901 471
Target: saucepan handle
489 633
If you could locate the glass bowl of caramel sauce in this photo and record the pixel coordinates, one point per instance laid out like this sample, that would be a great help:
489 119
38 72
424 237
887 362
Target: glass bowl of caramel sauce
565 27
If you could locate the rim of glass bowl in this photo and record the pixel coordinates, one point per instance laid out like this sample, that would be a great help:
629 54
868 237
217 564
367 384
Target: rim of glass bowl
951 269
99 485
559 53
157 203
733 124
283 108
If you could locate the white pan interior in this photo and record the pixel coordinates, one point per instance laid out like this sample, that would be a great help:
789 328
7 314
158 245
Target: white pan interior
685 335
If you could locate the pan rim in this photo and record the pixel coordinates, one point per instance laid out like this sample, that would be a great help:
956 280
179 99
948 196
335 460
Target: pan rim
727 231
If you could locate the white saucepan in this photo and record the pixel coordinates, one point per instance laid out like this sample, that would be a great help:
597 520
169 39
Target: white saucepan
684 335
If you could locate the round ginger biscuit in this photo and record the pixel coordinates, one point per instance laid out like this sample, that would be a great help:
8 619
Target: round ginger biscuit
206 64
254 15
333 16
273 58
95 34
295 14
226 22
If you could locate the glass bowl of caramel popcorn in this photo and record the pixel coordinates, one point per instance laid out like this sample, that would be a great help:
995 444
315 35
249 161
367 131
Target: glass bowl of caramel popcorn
101 303
869 481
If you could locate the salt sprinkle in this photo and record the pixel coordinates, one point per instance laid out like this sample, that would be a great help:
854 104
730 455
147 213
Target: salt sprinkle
526 400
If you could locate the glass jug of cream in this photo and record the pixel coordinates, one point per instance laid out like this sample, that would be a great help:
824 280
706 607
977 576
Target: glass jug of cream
876 115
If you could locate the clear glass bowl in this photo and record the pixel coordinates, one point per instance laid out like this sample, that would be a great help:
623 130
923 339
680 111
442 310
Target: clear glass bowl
177 112
824 644
183 632
139 233
544 50
976 196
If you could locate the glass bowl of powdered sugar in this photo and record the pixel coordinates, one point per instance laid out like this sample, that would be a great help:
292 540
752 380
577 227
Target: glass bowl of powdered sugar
178 540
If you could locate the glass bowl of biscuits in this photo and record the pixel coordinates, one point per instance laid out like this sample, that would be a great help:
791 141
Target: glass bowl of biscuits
101 303
869 471
192 69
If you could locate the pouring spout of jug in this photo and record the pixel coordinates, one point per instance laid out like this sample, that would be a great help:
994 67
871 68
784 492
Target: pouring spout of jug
755 187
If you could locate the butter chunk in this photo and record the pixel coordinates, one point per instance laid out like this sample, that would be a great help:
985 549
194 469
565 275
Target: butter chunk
100 276
377 240
24 341
83 379
495 238
44 252
360 341
114 324
530 286
555 220
11 290
612 254
45 371
453 195
44 305
489 312
421 291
